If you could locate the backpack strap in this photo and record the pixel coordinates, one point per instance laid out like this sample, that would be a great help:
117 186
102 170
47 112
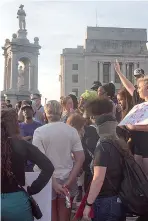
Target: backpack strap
109 181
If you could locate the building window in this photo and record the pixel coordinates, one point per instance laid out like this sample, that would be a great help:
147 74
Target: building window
106 69
75 91
75 78
117 79
75 67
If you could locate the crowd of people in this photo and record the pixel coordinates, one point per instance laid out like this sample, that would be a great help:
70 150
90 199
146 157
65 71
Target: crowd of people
77 144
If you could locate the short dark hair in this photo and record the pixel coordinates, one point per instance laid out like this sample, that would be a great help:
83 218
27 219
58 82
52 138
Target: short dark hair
99 106
109 89
8 101
37 95
75 100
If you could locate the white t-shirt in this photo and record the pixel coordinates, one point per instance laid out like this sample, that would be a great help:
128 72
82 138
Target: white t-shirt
58 141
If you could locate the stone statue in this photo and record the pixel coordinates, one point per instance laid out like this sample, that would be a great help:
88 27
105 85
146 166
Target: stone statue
21 16
20 78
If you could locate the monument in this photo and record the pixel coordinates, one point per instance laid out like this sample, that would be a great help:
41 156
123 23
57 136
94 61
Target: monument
20 63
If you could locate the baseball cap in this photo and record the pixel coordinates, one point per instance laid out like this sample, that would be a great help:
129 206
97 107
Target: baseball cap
138 72
96 85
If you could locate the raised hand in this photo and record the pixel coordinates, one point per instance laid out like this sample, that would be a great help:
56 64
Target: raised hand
117 66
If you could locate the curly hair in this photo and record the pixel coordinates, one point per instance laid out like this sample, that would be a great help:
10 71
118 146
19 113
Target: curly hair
9 129
99 106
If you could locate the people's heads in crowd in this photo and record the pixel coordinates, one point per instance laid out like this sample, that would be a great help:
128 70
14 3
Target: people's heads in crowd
8 102
26 102
125 101
3 104
99 107
53 111
77 121
107 91
75 101
96 85
139 73
102 112
27 112
142 84
61 100
68 104
36 99
18 106
87 96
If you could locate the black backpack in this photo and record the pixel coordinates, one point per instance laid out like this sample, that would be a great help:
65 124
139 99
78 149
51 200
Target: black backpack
134 186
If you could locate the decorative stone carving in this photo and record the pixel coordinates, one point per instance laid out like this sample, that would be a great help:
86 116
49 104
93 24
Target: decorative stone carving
36 40
7 42
20 78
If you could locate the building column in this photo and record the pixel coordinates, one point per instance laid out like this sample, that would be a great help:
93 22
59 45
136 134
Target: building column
127 70
135 65
35 76
5 73
31 77
101 72
124 69
112 73
14 73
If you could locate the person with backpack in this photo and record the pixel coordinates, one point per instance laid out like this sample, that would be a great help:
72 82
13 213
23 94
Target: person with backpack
119 184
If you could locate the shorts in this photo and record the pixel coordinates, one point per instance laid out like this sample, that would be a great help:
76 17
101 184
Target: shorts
73 190
141 144
15 207
142 151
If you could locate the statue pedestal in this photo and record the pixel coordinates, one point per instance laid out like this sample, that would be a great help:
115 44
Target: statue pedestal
22 34
15 96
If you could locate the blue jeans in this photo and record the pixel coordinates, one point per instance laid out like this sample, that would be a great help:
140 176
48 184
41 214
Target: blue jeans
15 207
109 209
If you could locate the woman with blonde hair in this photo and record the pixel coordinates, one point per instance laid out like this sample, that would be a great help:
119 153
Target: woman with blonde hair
141 131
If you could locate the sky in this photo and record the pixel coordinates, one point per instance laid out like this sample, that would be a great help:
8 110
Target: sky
62 24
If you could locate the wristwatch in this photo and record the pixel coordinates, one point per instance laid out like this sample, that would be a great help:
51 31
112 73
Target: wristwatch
89 204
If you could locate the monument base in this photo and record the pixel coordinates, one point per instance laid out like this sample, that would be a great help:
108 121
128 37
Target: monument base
14 96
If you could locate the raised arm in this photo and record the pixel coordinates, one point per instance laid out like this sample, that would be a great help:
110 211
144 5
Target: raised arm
37 157
126 83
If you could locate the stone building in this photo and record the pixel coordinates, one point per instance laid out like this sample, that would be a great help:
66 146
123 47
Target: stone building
20 64
83 65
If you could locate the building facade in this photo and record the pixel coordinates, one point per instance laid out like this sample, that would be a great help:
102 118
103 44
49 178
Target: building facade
83 65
